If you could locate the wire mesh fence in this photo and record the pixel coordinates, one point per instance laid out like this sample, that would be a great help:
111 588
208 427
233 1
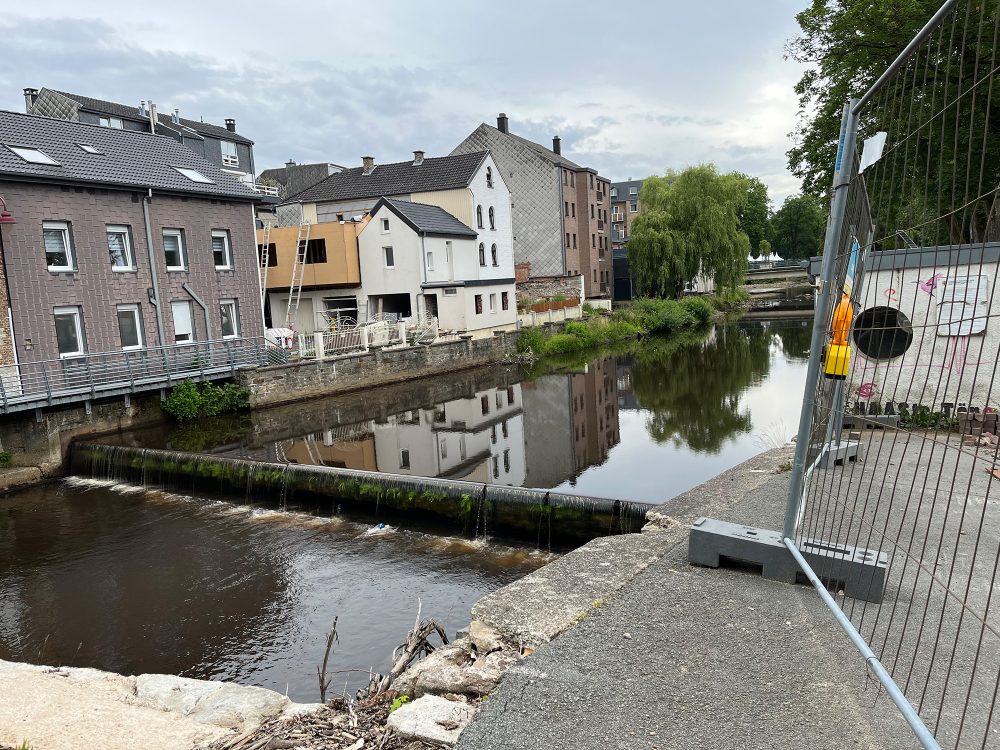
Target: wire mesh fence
901 468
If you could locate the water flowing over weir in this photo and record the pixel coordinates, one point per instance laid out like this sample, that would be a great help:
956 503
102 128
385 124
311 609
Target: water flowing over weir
549 520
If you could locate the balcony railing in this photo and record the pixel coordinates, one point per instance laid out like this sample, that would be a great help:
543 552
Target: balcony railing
265 189
31 385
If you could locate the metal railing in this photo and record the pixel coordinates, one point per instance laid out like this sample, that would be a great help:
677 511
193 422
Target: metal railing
31 385
906 351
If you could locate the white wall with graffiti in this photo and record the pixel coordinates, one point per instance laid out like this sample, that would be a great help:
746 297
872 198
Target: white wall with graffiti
923 332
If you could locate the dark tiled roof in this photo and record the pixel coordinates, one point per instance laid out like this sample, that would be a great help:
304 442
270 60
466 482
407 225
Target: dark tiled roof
427 219
545 153
401 178
133 113
623 188
128 158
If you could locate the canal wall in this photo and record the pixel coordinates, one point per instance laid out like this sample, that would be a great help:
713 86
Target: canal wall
280 384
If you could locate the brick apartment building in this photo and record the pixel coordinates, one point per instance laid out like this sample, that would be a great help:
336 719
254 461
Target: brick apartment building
121 240
561 210
624 208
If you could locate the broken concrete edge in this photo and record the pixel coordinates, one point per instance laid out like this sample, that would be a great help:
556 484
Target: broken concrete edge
221 704
19 477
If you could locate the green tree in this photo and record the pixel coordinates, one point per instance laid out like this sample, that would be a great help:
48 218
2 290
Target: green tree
754 215
799 227
765 249
689 225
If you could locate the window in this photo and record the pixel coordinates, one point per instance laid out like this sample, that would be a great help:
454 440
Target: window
390 261
479 216
493 303
565 177
33 155
120 249
404 459
173 250
90 149
595 275
567 241
614 192
230 157
574 240
572 179
489 177
493 433
566 207
430 260
69 331
510 400
447 251
229 315
482 254
272 255
591 210
58 249
499 400
221 253
633 191
479 304
593 240
503 425
385 225
572 210
316 251
493 255
484 404
591 182
496 467
506 461
130 327
444 447
194 175
504 300
882 333
340 217
493 219
450 291
183 322
112 122
633 207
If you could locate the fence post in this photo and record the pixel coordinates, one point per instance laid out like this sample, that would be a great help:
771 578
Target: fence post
364 338
841 183
318 344
402 333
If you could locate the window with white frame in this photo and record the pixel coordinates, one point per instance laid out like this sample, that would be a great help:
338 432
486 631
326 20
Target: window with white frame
221 252
447 251
633 207
404 459
173 250
614 192
183 322
390 261
385 225
112 122
33 155
194 175
130 327
633 191
230 156
450 291
120 248
90 149
69 331
430 260
58 247
229 315
493 303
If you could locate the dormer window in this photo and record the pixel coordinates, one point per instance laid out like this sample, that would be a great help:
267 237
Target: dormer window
230 157
33 155
489 177
112 122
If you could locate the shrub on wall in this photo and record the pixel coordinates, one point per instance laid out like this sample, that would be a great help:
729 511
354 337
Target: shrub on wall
187 401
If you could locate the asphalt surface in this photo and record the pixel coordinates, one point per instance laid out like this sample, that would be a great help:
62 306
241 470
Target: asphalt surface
686 657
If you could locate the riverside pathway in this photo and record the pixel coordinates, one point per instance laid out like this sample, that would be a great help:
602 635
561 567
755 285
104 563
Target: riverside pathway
686 657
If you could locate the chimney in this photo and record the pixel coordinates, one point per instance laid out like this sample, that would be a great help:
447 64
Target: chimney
289 163
176 117
142 109
556 146
502 123
230 124
30 95
369 164
418 158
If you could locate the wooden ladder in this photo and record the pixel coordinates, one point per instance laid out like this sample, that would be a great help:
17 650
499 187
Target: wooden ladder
265 259
298 272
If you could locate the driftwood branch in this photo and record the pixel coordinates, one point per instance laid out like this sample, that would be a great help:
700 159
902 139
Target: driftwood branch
321 673
416 645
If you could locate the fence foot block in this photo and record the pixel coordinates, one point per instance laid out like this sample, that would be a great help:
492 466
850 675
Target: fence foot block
860 573
842 453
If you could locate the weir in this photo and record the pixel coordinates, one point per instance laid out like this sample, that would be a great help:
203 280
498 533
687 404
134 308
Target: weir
549 520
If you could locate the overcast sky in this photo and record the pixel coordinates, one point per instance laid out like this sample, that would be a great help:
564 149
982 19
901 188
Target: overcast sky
632 88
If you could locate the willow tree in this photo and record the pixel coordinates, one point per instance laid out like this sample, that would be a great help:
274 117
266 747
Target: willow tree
689 224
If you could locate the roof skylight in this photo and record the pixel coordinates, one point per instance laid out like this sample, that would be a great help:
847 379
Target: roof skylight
90 149
194 175
33 155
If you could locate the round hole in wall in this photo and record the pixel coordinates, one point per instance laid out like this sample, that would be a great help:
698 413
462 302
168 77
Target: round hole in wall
882 333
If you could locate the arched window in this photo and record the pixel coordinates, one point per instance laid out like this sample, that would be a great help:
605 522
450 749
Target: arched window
482 254
493 255
479 216
489 177
493 219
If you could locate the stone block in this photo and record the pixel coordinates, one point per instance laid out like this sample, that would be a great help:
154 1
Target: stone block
431 719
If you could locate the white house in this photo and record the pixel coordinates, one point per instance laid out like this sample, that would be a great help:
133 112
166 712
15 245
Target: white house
419 261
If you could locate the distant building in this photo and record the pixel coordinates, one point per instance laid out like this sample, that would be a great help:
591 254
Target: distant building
122 241
419 261
293 178
221 145
624 208
560 216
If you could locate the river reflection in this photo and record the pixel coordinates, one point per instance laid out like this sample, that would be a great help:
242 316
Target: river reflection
643 425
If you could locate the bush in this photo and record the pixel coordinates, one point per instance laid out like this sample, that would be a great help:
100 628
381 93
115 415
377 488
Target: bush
186 401
6 459
531 339
563 343
699 308
729 299
660 315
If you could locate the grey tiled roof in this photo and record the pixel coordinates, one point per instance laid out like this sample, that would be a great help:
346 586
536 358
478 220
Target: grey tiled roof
128 158
425 219
133 113
623 188
400 178
545 153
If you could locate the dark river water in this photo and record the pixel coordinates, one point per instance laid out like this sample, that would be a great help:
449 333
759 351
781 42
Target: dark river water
136 580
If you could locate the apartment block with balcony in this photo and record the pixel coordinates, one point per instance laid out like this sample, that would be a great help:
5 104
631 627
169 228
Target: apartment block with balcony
219 144
561 210
624 208
119 243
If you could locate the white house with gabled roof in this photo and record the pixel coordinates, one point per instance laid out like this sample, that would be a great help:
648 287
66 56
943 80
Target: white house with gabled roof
418 261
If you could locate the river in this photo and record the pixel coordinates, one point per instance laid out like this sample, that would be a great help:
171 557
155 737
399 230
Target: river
138 580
